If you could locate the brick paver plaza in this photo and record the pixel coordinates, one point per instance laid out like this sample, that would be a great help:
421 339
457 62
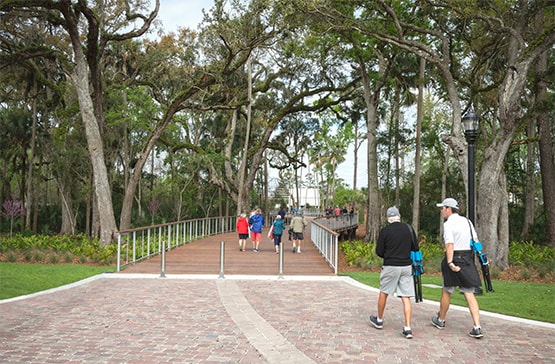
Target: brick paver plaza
185 318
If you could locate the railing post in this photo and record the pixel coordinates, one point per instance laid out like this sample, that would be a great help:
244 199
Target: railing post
119 253
222 251
281 260
163 260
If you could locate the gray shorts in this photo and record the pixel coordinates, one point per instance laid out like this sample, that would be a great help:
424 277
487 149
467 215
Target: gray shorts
461 289
397 279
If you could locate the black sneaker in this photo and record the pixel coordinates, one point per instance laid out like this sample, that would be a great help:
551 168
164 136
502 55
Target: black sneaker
438 323
407 334
476 333
374 321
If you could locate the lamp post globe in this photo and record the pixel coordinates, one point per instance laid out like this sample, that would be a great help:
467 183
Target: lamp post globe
471 125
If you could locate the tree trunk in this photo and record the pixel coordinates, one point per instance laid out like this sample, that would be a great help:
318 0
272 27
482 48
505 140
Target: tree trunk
493 216
30 200
101 183
396 121
547 156
529 195
491 194
68 216
374 212
417 152
243 192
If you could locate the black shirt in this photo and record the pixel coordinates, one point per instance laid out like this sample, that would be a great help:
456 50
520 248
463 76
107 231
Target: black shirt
395 243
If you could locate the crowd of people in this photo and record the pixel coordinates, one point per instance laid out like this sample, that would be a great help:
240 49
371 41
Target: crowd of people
253 225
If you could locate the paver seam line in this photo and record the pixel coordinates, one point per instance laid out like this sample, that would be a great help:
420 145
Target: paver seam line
346 279
268 341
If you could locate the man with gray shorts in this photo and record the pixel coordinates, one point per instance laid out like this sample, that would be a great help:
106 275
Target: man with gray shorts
458 268
395 243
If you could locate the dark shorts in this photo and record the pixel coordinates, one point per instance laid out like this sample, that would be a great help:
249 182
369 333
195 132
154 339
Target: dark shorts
298 236
243 236
467 277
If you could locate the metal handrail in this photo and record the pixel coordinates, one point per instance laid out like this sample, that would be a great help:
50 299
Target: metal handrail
326 241
135 245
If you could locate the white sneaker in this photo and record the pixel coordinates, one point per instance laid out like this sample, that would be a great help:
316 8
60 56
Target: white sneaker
299 250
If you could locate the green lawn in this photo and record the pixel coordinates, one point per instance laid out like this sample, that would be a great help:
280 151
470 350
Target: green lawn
21 279
534 301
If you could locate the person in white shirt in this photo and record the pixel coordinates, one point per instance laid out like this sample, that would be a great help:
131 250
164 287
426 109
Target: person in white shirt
458 268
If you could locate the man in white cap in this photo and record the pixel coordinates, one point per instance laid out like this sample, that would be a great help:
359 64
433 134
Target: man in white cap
458 268
395 242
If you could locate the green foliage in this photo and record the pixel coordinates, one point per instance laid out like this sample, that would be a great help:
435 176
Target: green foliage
530 254
432 254
36 248
361 254
526 255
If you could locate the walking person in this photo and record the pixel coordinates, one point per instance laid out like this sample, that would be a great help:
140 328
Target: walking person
458 268
256 224
298 223
276 231
242 227
395 242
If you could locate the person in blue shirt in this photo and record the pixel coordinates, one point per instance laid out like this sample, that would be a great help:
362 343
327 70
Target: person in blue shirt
276 231
256 223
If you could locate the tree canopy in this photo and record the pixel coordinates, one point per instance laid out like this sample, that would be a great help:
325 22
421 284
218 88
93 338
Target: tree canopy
104 128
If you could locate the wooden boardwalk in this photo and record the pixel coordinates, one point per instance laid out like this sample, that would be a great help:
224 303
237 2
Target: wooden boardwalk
203 257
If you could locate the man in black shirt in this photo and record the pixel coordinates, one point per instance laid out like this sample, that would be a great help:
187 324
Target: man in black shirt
395 242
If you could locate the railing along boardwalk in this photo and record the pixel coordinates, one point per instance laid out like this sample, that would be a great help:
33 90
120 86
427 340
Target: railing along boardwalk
203 256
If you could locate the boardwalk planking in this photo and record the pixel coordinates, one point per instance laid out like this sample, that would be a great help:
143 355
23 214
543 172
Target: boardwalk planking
203 257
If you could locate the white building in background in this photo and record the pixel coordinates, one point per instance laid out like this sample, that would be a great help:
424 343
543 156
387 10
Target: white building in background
310 196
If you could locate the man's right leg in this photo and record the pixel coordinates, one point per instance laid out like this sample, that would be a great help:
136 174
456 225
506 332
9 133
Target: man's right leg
444 304
473 307
382 300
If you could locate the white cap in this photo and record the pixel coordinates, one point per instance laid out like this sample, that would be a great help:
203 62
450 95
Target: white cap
449 202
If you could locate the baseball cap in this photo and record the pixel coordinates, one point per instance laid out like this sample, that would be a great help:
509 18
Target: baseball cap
392 211
449 202
278 217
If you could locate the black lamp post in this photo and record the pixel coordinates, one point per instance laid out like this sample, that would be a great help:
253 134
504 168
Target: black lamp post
471 124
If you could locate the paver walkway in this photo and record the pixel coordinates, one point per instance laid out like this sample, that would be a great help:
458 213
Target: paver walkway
252 315
135 318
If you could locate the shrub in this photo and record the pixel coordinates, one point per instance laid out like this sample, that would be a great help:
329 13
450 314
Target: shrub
38 257
530 254
432 255
54 258
12 258
68 258
35 248
361 254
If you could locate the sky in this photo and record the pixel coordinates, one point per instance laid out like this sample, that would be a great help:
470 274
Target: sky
182 13
176 14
